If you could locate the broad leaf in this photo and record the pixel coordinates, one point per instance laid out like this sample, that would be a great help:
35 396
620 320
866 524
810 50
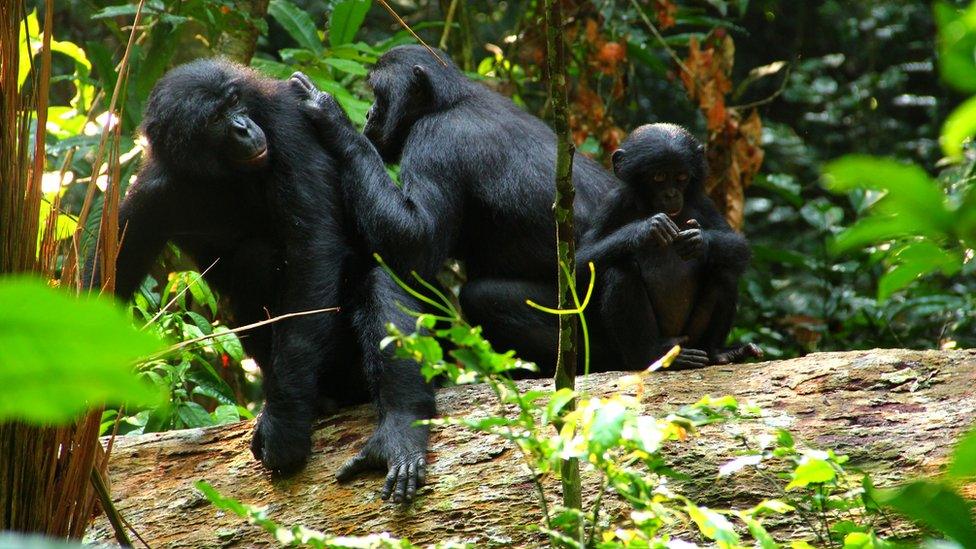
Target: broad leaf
61 355
347 17
297 24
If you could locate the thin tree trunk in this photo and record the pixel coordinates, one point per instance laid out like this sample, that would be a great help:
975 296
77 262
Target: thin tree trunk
565 233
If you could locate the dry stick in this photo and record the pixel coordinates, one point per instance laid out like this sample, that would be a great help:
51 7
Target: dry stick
660 38
111 513
448 21
179 295
244 328
406 26
775 94
96 165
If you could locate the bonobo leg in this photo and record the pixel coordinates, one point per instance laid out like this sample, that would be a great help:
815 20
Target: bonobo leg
711 321
628 317
498 306
399 390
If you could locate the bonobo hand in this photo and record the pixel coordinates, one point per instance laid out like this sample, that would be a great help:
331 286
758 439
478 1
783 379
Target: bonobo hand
401 448
687 358
321 107
737 354
660 230
690 243
282 444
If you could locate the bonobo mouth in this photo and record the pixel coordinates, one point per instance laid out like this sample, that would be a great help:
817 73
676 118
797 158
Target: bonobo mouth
675 213
258 159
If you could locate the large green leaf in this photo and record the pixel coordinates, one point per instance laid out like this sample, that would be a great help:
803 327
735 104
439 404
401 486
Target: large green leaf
347 17
935 505
297 23
957 42
61 355
963 464
958 127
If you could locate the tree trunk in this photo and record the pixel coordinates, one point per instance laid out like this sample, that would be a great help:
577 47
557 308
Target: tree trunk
239 43
896 413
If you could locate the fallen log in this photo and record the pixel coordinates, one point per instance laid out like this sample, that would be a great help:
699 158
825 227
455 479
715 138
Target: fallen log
896 413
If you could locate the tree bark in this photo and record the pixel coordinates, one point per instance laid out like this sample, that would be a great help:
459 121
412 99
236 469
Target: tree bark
238 44
896 413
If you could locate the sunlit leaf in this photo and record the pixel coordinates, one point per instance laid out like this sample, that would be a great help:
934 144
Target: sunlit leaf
297 24
936 505
62 355
347 17
958 127
811 471
963 464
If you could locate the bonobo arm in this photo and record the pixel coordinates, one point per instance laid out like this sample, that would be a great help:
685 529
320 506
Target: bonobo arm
412 226
722 245
145 224
312 253
618 231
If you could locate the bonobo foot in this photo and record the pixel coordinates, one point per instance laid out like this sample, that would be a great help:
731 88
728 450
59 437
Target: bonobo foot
738 354
282 445
399 447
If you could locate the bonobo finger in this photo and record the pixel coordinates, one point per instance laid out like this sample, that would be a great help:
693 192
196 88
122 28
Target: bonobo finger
411 482
302 80
421 471
403 474
693 223
390 484
672 227
353 467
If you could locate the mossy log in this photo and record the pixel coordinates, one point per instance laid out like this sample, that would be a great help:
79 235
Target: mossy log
896 413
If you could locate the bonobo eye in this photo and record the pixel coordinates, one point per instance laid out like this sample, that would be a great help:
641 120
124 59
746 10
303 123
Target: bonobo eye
233 99
682 177
659 177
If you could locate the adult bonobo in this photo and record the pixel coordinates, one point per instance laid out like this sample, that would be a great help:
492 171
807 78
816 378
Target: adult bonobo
231 179
477 185
668 264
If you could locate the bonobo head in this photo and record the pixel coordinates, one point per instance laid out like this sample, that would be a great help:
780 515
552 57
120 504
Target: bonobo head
197 120
408 82
664 164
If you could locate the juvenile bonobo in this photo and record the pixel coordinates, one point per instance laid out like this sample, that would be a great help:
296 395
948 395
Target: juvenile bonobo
668 264
233 177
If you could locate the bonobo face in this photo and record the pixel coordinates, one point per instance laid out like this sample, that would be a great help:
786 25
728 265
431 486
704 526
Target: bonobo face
197 121
398 91
661 162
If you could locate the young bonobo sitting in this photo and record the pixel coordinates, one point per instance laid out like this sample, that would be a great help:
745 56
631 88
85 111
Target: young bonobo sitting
667 262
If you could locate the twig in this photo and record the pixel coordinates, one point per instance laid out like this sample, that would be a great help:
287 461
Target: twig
180 294
657 34
244 328
111 513
771 98
448 21
407 27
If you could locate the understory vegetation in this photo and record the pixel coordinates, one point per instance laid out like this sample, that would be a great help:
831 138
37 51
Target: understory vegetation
839 142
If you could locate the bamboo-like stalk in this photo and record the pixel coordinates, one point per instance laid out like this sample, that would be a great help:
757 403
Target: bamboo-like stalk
45 472
565 241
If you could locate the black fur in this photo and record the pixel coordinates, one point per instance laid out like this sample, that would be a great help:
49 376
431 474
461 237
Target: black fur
276 229
668 263
477 185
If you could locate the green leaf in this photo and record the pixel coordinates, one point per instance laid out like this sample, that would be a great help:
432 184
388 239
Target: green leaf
346 65
713 525
347 17
558 401
607 426
811 471
963 464
958 127
936 505
957 41
297 24
912 195
194 415
62 355
226 413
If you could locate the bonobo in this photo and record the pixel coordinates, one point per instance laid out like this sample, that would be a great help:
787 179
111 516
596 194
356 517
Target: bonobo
668 264
231 179
477 185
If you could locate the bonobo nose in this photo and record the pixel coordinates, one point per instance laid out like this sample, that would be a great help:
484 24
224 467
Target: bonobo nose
241 127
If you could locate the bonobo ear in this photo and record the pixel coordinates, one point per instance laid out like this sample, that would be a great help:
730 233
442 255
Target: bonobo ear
617 157
422 77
